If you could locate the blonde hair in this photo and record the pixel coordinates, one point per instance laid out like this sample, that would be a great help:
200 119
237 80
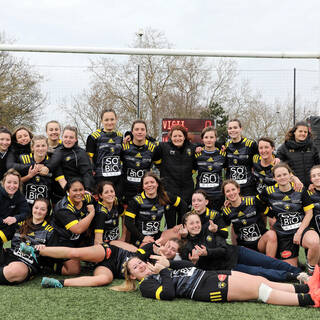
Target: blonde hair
128 284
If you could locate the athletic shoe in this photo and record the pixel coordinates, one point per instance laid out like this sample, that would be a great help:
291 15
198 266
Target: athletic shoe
24 248
315 295
51 283
303 277
314 281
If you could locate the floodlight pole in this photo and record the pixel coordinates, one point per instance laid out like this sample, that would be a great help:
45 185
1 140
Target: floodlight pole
139 34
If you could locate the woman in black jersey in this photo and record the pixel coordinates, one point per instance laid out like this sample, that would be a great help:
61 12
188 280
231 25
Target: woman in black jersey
108 212
5 142
315 197
292 212
205 247
248 221
21 139
145 211
186 281
177 164
16 266
70 161
138 156
240 152
13 205
263 164
210 164
103 147
37 181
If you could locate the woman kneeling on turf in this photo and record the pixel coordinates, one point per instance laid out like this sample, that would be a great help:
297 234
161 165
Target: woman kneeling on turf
186 281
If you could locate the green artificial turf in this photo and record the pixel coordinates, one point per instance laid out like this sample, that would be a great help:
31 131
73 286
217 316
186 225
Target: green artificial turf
29 301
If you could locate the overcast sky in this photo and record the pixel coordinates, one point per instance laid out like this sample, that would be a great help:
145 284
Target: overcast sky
279 25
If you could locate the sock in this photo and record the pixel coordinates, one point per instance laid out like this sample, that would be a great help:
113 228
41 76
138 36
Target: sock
62 282
301 288
310 268
305 300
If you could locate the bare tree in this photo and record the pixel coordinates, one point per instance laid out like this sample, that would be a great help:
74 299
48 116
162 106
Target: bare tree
20 93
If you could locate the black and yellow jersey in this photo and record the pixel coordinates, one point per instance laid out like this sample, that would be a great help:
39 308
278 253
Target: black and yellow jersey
136 161
263 175
210 166
247 221
39 186
107 222
287 207
240 161
315 198
143 216
104 149
66 215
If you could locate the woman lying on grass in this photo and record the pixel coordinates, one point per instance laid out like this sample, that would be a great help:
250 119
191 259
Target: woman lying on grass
186 281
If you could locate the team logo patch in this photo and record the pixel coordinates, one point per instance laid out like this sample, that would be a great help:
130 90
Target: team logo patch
222 277
209 238
210 168
189 152
153 217
114 222
244 222
221 285
112 150
167 207
137 164
286 254
287 207
37 179
235 161
172 152
68 158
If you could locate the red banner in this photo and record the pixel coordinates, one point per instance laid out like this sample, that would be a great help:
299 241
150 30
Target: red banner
193 126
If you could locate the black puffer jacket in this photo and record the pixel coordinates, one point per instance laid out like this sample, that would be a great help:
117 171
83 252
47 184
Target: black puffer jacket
301 157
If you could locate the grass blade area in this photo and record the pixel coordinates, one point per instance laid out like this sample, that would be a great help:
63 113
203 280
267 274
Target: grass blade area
29 301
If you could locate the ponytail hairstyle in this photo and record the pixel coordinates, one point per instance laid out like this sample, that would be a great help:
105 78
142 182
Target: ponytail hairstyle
129 284
162 194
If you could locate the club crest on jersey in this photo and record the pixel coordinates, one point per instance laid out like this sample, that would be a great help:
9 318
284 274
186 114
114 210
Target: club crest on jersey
153 217
287 207
137 164
244 222
222 277
235 161
221 285
37 179
210 168
114 222
167 207
172 152
189 152
68 158
209 238
112 150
